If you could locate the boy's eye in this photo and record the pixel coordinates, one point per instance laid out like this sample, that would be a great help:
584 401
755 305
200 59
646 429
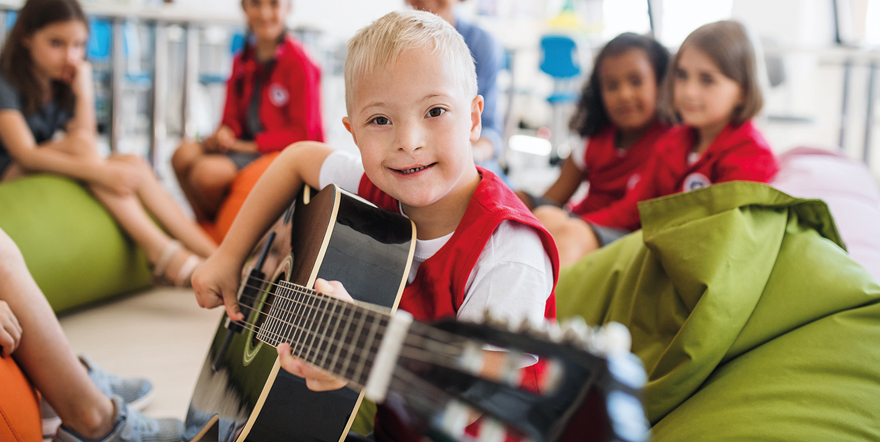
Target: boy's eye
611 86
56 43
436 112
706 79
636 81
681 75
381 121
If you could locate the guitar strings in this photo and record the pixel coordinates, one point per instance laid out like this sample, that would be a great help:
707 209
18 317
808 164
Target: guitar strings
310 352
295 288
417 331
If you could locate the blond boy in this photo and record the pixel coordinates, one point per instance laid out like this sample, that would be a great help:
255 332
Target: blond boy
413 112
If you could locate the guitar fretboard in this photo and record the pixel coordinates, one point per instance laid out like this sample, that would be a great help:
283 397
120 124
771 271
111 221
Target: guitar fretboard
337 336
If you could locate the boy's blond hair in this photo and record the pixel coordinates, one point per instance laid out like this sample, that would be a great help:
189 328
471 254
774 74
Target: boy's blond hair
381 43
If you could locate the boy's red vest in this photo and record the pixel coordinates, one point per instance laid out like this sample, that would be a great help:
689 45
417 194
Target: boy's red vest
438 289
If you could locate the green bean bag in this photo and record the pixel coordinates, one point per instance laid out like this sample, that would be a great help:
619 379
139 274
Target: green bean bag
752 321
73 248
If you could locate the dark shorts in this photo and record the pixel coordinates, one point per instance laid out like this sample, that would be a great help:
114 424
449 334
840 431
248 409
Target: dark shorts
242 159
606 235
5 162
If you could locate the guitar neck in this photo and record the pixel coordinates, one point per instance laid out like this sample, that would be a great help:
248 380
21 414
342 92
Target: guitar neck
336 336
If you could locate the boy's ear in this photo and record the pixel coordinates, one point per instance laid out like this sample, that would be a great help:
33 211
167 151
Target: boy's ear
476 118
347 123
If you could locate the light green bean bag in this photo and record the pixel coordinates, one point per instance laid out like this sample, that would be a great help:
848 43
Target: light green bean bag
72 247
752 321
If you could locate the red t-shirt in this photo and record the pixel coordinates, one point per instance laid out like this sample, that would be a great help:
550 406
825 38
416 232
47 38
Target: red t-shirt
290 101
611 171
737 154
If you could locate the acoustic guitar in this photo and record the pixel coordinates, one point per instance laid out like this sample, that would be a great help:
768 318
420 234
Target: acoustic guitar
430 374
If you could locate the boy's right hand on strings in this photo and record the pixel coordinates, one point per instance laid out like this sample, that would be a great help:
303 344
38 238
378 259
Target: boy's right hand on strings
216 283
10 330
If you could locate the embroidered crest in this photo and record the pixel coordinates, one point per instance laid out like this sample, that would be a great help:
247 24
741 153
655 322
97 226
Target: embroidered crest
695 181
633 180
278 94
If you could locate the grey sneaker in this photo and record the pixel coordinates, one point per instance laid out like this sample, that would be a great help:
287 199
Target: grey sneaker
136 393
131 426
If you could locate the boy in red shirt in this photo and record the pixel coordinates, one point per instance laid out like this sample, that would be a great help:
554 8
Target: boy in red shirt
413 111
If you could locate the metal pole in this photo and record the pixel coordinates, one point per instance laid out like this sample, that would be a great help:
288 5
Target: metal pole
869 117
160 86
117 79
847 68
190 80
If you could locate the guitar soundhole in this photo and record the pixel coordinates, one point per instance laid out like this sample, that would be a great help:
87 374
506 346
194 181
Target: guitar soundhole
265 306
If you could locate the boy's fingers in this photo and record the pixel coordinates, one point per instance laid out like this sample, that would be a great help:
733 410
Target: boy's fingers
333 289
232 309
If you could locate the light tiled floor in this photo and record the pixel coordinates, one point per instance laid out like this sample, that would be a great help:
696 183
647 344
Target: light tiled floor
160 334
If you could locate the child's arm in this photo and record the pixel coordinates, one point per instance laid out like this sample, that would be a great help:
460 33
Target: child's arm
83 122
216 281
569 180
10 330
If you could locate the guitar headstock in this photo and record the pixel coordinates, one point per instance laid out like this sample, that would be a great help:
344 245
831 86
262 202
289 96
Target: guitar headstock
585 386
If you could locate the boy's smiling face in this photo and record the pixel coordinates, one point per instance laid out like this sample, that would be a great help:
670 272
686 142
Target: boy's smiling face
414 126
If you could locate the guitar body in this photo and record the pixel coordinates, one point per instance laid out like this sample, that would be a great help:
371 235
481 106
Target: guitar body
242 394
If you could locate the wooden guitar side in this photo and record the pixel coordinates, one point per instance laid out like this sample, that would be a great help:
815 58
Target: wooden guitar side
241 394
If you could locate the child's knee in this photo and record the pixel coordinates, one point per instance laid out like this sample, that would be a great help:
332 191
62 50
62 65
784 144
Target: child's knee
185 155
211 175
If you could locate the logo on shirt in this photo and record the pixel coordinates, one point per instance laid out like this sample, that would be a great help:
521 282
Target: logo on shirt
278 94
632 181
695 181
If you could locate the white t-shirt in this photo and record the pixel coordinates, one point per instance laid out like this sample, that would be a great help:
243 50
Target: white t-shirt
513 276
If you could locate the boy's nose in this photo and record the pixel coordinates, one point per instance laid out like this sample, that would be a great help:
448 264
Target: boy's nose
409 137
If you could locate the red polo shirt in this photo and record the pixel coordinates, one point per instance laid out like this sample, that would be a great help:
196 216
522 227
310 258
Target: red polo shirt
290 101
737 154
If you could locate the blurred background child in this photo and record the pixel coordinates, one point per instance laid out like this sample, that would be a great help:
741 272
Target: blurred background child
617 113
46 86
712 90
273 99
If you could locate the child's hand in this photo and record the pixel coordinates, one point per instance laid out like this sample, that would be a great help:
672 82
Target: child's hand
119 177
79 77
10 330
220 141
216 283
316 379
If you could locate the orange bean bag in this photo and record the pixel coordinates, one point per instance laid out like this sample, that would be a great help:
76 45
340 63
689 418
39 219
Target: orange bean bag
238 192
19 405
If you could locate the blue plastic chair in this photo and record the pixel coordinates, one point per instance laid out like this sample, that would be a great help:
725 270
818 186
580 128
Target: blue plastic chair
558 61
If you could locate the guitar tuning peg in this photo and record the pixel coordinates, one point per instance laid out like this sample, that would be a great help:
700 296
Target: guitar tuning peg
491 431
554 332
495 320
617 337
455 419
576 330
553 375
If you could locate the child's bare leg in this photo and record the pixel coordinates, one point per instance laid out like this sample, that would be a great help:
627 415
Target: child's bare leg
130 214
574 237
158 202
186 155
44 353
211 177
